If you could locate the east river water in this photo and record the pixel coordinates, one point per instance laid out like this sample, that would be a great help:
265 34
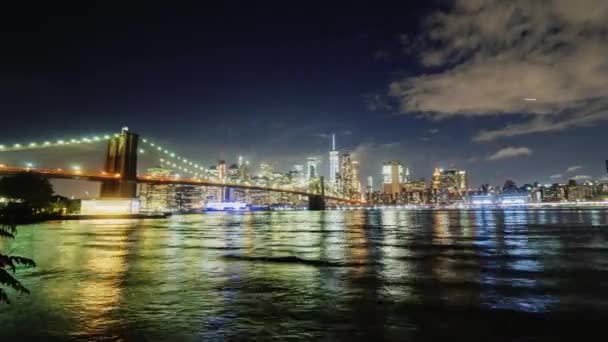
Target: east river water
393 275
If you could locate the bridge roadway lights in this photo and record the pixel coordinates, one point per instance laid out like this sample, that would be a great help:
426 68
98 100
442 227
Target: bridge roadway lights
316 202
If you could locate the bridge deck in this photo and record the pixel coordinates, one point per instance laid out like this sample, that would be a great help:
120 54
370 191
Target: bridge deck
104 176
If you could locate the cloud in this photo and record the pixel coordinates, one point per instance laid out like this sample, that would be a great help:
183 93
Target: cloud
556 176
322 135
510 152
377 102
573 168
485 57
433 131
388 145
581 177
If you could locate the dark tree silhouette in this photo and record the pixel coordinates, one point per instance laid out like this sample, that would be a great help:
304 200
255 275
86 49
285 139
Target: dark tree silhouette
33 190
9 263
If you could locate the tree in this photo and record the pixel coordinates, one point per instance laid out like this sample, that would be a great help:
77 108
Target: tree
33 190
9 262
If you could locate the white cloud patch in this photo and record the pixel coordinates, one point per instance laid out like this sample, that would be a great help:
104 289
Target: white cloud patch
581 177
377 102
433 131
556 176
494 54
510 152
573 168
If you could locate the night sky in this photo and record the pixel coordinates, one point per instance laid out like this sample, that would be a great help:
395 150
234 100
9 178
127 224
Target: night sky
428 83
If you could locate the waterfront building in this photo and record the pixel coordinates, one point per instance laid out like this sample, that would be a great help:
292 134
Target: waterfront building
414 192
448 185
392 176
554 193
157 197
189 198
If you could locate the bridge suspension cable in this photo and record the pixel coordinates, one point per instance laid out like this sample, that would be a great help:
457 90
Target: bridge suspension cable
173 160
55 143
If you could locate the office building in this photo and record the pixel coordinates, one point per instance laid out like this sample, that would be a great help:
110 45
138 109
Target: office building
334 162
346 176
157 197
392 176
312 168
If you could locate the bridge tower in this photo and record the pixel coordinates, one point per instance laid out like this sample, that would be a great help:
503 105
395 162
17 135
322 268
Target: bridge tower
317 202
121 158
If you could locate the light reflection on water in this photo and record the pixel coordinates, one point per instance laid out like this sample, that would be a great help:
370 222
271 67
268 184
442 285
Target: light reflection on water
307 275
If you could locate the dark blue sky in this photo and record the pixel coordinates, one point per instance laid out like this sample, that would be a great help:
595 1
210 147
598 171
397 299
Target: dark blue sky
266 81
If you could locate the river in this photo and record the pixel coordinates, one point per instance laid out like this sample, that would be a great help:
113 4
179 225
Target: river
299 275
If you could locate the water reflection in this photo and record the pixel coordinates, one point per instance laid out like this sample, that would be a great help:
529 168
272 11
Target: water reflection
306 275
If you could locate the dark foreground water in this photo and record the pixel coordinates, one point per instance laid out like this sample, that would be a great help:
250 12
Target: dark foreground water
339 275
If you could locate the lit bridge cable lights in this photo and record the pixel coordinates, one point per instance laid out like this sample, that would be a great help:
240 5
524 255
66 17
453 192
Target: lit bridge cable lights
173 160
54 143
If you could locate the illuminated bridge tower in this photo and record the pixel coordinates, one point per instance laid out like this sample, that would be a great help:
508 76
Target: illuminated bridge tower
121 158
317 202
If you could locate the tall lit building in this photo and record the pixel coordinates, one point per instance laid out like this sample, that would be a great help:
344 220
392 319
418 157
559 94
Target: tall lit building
334 161
266 170
243 168
392 176
222 171
436 180
189 198
449 185
346 176
461 180
452 180
312 168
370 186
356 181
297 174
157 197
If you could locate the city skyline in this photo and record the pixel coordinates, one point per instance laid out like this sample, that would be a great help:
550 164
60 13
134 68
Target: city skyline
322 167
362 79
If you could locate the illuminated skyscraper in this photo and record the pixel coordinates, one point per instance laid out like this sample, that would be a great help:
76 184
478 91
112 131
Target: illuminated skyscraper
392 175
297 174
312 168
189 198
346 176
266 170
334 161
356 181
370 185
157 197
436 180
451 180
449 185
221 171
